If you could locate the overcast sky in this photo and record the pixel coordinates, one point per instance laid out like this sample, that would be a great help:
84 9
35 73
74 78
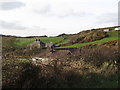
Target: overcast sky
53 17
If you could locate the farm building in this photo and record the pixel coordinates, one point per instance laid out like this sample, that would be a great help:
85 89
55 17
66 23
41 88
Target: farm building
42 44
37 44
49 44
106 30
117 29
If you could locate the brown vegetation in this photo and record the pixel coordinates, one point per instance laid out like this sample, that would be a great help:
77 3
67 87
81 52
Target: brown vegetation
86 36
89 66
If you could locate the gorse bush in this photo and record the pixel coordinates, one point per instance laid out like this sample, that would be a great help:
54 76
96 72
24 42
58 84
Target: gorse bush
88 36
8 44
27 75
100 54
16 73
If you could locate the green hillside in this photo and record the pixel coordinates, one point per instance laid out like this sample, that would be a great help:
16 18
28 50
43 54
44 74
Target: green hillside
112 35
21 42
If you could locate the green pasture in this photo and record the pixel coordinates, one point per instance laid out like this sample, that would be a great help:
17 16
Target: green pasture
21 42
113 35
64 42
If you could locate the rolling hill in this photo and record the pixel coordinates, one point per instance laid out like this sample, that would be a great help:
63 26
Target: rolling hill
89 37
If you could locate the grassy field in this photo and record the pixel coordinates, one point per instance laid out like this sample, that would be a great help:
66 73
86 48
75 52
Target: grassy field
21 42
113 35
64 42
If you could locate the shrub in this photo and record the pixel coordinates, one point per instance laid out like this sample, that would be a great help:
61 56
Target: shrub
98 55
87 36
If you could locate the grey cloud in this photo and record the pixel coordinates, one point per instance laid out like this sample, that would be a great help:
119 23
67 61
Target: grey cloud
39 28
16 26
10 5
108 18
73 13
13 25
44 10
69 13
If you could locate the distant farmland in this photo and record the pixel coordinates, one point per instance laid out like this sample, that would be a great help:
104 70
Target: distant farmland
21 42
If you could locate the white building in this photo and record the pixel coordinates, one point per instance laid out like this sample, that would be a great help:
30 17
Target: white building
117 29
106 30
